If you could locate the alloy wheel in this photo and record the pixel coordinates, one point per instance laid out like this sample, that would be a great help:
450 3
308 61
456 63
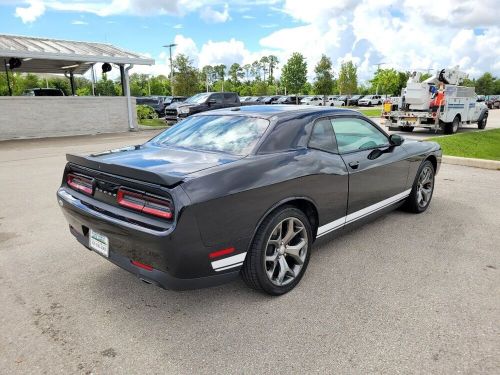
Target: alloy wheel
286 251
425 184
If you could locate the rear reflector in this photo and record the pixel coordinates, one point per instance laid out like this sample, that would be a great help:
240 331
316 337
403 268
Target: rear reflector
80 183
220 253
144 203
142 265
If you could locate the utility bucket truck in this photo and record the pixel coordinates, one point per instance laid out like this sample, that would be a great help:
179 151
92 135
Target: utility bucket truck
438 103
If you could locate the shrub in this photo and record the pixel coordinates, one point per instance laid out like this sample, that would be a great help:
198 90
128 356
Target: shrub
145 112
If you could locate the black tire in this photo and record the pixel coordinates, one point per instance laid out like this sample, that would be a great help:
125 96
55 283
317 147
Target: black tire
253 271
452 127
407 129
412 202
481 124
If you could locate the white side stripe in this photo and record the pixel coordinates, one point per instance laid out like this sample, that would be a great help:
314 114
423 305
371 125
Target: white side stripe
229 262
339 223
376 207
228 267
330 227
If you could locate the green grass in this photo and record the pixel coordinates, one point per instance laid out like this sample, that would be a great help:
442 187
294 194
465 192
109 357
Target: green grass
478 145
152 122
373 112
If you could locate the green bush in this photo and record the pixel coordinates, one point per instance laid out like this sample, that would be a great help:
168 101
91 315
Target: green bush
145 112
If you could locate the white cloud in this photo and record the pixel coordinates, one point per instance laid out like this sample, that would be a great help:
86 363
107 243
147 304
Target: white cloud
34 10
413 34
178 26
214 16
79 22
248 17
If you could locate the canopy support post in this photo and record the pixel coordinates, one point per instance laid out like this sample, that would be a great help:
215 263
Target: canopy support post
72 83
126 92
7 74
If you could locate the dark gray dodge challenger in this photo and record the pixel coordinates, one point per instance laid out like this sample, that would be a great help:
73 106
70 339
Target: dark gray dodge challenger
242 191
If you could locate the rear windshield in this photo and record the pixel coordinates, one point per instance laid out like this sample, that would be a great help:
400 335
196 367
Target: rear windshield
230 134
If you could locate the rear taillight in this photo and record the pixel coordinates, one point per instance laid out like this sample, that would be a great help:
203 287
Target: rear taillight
80 183
144 203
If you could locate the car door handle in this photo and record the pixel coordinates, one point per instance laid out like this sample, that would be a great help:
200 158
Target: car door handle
354 164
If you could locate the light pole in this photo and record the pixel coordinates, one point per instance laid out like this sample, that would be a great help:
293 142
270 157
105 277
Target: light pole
378 68
169 46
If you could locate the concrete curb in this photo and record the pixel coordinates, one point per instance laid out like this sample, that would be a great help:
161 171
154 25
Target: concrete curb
145 127
469 162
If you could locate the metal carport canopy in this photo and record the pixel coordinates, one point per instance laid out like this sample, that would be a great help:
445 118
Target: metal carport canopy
44 55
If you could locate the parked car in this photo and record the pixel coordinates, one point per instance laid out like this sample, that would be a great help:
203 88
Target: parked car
312 100
242 192
287 100
493 101
200 103
353 100
370 100
337 100
43 92
155 102
343 99
270 99
174 99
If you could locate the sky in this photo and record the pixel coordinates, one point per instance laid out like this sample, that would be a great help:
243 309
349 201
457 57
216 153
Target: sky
402 34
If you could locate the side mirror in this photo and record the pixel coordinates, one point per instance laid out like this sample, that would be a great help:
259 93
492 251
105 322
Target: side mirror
211 101
396 140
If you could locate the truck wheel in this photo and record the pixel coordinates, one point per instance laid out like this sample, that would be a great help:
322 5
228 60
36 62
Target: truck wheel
481 124
452 127
407 129
280 251
422 189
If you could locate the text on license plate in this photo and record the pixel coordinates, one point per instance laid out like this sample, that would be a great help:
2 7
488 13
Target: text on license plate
99 243
410 119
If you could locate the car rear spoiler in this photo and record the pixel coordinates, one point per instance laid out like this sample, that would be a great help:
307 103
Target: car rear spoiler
123 171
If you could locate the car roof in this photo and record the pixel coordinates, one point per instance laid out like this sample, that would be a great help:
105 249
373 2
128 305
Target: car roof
278 110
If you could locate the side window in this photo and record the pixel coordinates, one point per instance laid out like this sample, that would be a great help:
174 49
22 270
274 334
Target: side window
322 137
217 98
354 134
230 98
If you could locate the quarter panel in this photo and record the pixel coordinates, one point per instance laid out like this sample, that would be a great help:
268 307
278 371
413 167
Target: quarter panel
228 204
418 151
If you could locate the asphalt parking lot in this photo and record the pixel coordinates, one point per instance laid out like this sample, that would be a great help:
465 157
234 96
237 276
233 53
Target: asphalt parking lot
404 294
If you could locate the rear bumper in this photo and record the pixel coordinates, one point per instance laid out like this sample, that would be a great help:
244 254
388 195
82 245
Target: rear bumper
178 257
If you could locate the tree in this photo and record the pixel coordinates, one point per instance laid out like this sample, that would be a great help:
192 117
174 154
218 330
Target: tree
247 68
159 85
259 88
264 62
294 73
386 81
273 64
256 69
323 82
105 87
235 73
220 71
348 78
425 76
207 76
185 76
485 85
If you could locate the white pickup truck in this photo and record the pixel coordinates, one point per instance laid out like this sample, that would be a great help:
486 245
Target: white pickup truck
438 103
